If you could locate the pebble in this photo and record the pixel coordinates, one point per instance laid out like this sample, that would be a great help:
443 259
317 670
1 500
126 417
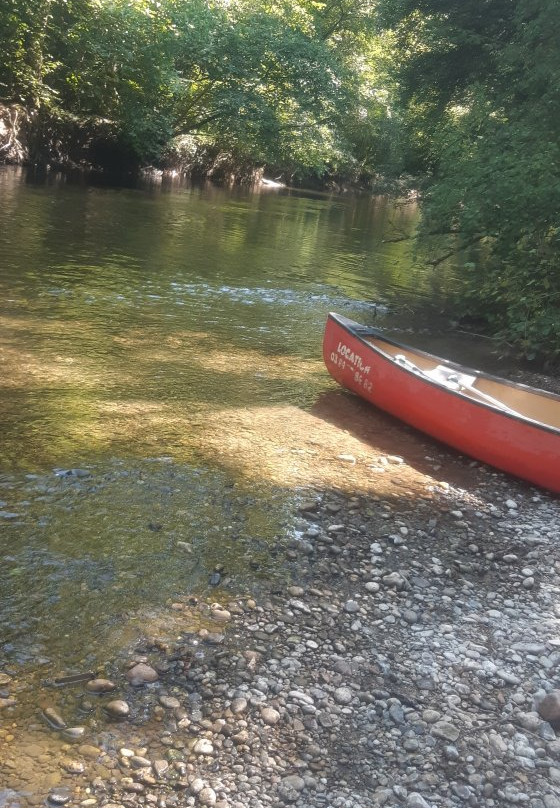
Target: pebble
203 747
294 781
442 729
207 796
74 734
395 579
415 800
270 716
169 702
53 718
89 751
59 796
239 705
549 708
343 695
73 766
508 677
100 686
117 708
141 674
404 661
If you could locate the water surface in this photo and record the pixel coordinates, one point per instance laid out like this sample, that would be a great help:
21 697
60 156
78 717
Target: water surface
152 339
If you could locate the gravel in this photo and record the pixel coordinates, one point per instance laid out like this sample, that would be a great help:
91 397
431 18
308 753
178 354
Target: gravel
408 655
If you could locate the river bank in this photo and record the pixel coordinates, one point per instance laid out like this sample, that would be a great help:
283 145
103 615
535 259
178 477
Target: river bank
396 655
95 147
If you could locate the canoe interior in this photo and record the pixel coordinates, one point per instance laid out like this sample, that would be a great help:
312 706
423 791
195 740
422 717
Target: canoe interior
538 406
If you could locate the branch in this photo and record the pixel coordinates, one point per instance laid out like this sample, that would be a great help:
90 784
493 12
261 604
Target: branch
198 124
395 239
437 261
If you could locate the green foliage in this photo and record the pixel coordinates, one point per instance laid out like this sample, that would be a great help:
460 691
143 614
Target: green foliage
284 83
480 81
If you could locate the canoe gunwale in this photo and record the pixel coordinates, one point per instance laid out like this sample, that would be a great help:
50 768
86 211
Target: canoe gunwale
359 332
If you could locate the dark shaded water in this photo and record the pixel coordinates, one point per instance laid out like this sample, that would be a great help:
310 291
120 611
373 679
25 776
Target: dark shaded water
140 329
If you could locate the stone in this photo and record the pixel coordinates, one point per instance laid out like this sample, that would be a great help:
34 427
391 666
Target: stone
221 615
549 708
207 796
343 695
508 677
270 716
238 706
117 708
100 686
197 785
53 718
73 766
203 747
128 784
160 767
294 781
139 762
59 796
89 751
169 702
74 734
395 580
415 800
410 616
530 721
141 674
446 731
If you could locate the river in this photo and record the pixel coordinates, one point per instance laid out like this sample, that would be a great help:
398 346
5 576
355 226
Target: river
156 345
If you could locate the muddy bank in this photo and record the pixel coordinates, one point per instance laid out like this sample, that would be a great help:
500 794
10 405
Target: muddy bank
399 653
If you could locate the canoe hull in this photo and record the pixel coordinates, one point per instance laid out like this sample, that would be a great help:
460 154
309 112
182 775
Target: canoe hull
509 443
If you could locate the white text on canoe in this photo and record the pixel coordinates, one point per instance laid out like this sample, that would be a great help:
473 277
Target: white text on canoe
354 358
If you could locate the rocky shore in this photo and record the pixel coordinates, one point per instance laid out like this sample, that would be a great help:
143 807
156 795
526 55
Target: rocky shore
408 655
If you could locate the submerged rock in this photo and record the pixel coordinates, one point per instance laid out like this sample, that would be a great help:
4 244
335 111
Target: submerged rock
117 708
141 674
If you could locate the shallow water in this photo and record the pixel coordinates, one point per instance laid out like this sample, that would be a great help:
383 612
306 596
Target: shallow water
150 339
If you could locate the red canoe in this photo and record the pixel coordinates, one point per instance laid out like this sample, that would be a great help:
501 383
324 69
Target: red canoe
510 426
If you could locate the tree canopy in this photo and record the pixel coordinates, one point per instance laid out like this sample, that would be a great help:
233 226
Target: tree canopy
283 83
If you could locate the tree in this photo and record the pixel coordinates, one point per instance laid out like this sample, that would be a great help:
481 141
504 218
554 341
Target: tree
480 81
283 83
